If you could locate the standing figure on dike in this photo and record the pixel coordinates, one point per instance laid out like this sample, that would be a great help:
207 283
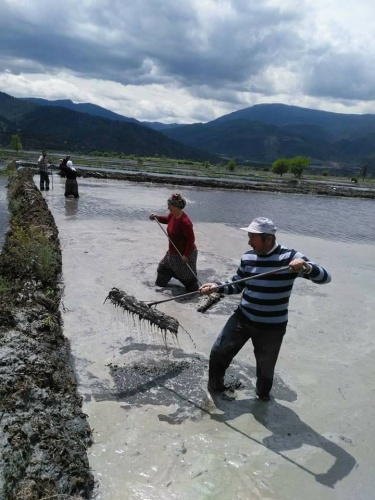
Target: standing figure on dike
262 314
180 261
67 170
43 163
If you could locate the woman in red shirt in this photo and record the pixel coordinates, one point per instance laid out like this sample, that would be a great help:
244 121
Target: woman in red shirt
180 261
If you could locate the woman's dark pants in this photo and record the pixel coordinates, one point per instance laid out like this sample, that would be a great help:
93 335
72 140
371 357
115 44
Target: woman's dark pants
237 331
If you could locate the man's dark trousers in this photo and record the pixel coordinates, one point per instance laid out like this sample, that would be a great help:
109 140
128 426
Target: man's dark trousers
237 331
44 178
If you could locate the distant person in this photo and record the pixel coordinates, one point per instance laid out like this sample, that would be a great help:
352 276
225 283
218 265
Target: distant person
71 184
43 163
181 236
262 314
63 162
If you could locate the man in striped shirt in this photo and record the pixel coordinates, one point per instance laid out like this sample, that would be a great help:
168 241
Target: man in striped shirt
262 314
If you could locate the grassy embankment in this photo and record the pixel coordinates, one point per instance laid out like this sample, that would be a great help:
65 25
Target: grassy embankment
43 433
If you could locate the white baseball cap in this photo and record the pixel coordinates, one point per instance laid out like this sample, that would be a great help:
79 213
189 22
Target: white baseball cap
261 225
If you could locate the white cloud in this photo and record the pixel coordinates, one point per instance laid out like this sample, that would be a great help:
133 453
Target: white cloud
190 61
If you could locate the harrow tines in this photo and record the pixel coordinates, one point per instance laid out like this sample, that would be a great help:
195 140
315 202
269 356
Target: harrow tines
143 310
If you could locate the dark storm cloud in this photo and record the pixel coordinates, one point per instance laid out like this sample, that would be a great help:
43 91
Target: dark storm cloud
149 41
230 51
346 76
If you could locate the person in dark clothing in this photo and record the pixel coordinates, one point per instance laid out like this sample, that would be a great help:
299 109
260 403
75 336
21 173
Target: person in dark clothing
71 184
262 314
180 261
62 165
43 163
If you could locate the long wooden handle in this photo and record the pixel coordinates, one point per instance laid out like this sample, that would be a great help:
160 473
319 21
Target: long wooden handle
268 273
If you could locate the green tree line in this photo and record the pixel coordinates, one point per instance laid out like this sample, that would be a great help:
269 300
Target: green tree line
295 165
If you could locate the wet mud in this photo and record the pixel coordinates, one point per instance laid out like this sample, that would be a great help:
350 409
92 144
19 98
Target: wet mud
44 435
241 447
161 375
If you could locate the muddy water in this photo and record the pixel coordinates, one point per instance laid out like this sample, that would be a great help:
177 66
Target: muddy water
3 209
158 434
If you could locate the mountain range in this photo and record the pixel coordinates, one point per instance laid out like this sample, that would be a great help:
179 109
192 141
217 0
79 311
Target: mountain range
261 133
58 128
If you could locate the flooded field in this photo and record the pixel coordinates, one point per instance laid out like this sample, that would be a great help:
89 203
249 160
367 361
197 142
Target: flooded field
158 432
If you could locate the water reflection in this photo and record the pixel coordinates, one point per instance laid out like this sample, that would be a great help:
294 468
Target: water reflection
342 219
4 215
71 207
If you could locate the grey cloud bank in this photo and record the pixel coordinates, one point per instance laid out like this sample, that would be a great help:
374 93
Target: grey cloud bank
168 61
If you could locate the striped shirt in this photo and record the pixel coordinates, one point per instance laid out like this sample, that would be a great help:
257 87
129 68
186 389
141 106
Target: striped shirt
266 301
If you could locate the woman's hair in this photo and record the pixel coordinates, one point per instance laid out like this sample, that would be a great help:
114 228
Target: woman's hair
177 201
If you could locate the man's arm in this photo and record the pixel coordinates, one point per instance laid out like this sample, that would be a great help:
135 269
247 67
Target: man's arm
309 270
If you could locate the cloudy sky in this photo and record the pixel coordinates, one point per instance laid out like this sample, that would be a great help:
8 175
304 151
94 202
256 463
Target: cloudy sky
192 60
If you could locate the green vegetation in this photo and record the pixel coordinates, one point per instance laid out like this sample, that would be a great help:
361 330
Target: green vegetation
15 142
298 165
4 287
231 165
294 165
281 166
30 251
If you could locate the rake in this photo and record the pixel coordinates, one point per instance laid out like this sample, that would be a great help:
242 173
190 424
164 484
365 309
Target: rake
145 311
177 250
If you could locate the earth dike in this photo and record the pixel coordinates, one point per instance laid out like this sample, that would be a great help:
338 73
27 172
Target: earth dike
44 435
289 186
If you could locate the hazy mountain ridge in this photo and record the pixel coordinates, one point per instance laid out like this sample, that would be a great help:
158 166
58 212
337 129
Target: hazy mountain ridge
261 133
59 128
94 110
280 130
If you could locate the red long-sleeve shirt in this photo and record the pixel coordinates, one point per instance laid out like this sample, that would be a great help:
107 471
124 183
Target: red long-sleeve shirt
181 232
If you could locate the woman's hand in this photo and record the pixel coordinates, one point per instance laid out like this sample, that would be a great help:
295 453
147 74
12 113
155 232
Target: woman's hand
208 288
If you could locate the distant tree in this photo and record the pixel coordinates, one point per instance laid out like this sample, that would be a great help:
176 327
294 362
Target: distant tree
364 171
280 166
298 165
231 165
15 142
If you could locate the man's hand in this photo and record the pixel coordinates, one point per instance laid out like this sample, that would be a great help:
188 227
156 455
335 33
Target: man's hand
299 265
184 258
208 288
152 216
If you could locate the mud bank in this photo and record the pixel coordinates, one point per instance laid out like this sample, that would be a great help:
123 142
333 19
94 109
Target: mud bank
292 186
44 435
